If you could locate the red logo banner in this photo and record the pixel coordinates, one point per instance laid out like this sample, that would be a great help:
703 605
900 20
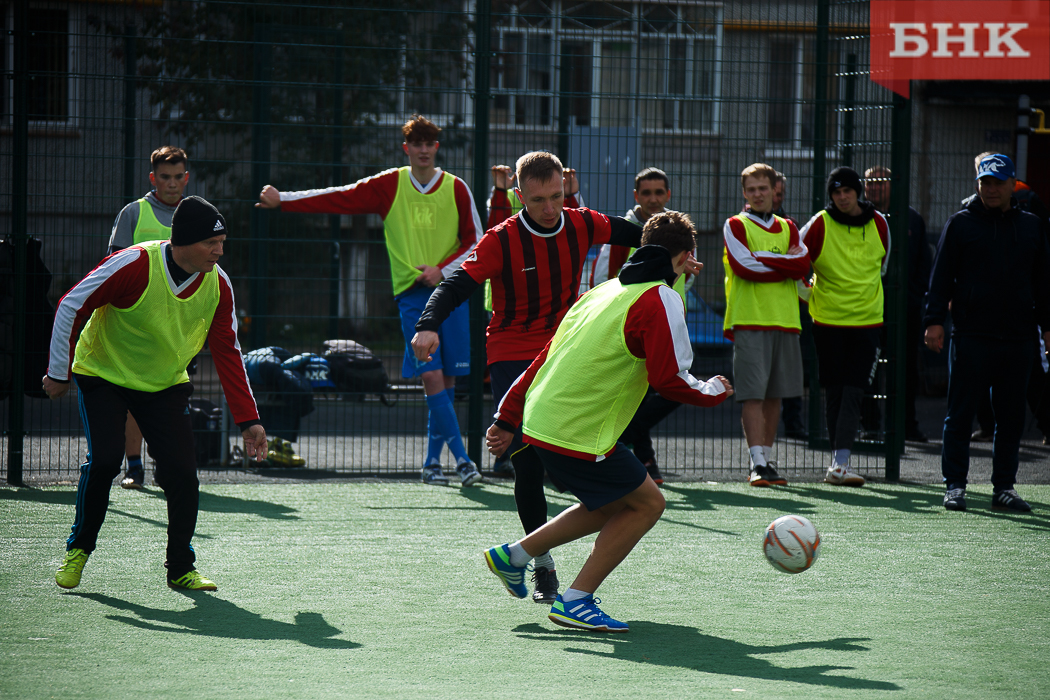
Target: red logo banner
958 40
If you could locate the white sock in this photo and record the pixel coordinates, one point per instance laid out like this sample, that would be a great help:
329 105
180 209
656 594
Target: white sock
767 452
518 556
545 560
758 456
572 594
841 458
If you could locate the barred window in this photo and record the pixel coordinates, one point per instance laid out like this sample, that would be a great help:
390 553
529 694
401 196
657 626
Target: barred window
611 64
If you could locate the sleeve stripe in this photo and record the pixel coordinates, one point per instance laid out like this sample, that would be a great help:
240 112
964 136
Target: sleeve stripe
63 340
683 349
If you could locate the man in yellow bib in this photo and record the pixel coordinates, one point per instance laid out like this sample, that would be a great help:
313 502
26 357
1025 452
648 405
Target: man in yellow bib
145 311
763 258
149 219
849 246
576 398
430 225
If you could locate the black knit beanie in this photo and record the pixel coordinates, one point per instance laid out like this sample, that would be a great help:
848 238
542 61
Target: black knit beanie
194 220
845 177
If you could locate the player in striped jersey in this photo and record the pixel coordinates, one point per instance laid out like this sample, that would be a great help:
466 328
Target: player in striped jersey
430 224
535 262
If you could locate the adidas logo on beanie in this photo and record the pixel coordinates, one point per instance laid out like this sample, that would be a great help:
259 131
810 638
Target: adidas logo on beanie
195 220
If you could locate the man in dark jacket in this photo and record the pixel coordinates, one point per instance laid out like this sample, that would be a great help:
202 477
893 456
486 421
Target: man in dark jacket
993 267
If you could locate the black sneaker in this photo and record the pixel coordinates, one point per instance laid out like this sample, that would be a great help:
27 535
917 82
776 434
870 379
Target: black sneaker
766 475
133 478
955 499
654 471
546 585
915 435
1009 500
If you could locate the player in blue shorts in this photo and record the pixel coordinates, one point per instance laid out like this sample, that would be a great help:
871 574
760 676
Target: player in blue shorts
430 224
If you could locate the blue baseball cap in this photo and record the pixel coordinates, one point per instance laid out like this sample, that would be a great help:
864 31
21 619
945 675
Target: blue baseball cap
998 166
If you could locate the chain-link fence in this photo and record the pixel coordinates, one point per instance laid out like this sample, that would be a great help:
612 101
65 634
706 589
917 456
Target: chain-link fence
311 96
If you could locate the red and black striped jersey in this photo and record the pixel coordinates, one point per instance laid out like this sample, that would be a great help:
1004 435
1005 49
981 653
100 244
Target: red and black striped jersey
535 278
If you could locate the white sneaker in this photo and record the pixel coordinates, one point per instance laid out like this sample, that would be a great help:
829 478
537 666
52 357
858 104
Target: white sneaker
842 475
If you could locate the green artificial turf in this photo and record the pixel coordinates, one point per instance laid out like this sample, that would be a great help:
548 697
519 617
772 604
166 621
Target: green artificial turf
379 590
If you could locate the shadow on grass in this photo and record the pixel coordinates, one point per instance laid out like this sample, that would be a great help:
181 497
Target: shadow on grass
209 502
214 617
678 646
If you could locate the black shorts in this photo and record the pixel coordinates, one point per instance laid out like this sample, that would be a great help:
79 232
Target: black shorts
596 484
847 355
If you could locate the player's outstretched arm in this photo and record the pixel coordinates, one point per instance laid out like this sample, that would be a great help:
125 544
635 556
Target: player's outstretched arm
269 198
255 444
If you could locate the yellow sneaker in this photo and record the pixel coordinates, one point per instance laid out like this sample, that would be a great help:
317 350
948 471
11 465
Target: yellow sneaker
68 575
192 581
282 454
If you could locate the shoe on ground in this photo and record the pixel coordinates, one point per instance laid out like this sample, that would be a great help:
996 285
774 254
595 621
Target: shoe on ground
468 474
955 499
869 435
654 471
192 581
981 435
433 476
843 475
1009 500
133 478
546 590
584 614
513 577
68 575
282 454
915 435
503 466
766 475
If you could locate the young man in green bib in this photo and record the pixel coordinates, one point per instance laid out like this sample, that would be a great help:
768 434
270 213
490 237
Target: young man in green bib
145 312
849 247
617 340
149 219
763 258
430 225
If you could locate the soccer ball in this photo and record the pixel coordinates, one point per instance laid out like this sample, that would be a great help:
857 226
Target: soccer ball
792 544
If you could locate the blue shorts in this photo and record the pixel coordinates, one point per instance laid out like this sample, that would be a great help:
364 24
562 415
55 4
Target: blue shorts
596 484
453 355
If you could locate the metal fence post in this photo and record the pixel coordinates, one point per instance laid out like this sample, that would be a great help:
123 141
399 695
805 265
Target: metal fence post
260 221
897 328
478 317
820 123
129 113
19 235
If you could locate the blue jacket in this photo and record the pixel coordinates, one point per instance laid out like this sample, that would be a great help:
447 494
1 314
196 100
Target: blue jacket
994 268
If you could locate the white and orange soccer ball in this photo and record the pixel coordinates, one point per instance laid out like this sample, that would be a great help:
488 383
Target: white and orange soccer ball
792 544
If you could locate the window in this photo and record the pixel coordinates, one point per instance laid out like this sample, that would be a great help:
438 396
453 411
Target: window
607 64
49 65
792 89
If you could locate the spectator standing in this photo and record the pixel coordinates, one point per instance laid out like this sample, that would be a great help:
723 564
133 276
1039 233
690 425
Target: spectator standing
763 259
149 219
877 185
849 247
652 192
993 266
